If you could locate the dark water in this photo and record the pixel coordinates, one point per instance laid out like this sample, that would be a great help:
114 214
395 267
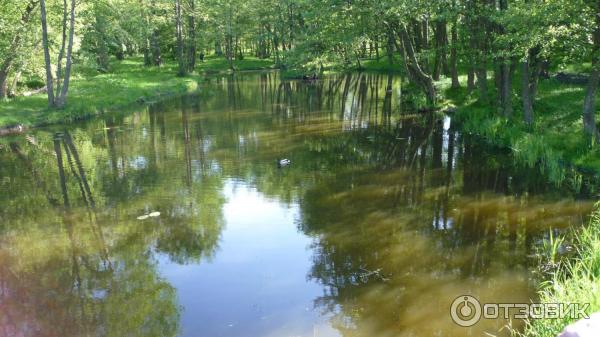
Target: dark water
384 217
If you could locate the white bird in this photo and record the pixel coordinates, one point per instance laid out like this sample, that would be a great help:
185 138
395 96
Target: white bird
283 162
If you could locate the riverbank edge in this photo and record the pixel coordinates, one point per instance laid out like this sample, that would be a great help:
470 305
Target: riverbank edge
572 279
184 87
151 84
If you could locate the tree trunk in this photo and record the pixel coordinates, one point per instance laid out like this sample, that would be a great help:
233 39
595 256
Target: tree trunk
62 100
481 74
179 32
146 46
440 49
413 67
505 90
102 57
3 83
589 105
49 80
454 57
192 37
471 78
525 94
61 53
505 74
12 90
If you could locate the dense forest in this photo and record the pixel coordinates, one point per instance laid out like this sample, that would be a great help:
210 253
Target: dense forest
503 47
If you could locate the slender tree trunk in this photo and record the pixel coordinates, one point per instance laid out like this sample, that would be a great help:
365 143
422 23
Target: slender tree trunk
102 56
146 46
505 73
154 43
69 61
49 79
12 90
179 32
61 53
454 56
413 67
525 94
589 106
505 90
3 82
441 43
192 37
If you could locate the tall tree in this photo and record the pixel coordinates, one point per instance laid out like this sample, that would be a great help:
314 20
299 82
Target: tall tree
59 98
14 46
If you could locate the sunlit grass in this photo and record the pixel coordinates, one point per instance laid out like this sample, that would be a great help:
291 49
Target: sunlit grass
93 93
220 64
555 142
575 281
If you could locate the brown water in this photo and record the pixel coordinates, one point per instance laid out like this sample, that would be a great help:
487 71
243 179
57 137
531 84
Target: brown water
383 218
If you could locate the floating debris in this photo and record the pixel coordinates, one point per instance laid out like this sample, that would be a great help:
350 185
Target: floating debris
154 214
143 217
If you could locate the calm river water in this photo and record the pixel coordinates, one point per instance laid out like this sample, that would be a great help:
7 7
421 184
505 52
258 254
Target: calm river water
176 220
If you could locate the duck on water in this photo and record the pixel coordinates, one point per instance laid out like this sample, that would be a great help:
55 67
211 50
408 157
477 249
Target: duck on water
283 162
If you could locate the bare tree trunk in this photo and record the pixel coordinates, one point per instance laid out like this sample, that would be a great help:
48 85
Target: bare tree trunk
49 79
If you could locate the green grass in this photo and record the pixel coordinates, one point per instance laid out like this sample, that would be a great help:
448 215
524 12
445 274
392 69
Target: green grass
383 65
129 82
555 143
94 93
214 64
575 280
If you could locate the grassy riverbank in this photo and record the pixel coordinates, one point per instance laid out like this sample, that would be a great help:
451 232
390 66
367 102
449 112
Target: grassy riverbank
575 280
129 82
555 142
93 93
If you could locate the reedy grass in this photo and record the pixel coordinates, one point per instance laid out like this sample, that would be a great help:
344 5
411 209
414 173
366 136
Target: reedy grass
574 280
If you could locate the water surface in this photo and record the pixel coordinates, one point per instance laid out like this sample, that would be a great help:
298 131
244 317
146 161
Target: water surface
385 216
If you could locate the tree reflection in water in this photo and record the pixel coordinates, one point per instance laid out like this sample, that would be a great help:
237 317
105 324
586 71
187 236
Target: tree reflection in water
404 211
